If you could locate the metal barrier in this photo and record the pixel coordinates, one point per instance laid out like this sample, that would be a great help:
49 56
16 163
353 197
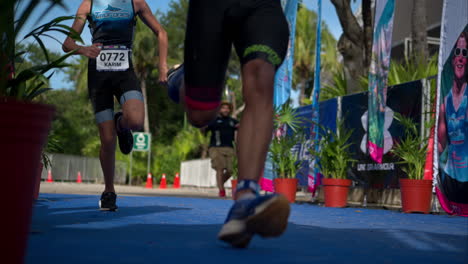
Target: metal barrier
66 168
198 173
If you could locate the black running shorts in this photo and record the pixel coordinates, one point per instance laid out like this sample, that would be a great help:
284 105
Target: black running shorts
257 28
103 86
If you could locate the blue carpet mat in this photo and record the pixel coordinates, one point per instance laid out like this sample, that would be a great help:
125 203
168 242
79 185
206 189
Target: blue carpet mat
70 229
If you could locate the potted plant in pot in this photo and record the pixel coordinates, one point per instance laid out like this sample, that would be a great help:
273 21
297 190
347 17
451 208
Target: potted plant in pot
24 125
286 164
285 161
416 192
334 159
51 146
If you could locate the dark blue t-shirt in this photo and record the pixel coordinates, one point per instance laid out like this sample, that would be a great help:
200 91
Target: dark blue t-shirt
222 131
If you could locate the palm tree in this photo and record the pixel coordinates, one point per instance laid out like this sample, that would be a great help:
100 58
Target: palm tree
174 22
77 74
304 56
304 51
144 60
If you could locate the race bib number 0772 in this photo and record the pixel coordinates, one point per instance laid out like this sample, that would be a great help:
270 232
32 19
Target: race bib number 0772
113 60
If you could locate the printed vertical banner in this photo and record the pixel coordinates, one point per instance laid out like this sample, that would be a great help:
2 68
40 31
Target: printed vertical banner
313 174
451 133
283 82
283 77
378 72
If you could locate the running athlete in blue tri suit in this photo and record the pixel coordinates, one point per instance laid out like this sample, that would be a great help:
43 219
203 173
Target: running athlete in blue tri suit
259 31
110 74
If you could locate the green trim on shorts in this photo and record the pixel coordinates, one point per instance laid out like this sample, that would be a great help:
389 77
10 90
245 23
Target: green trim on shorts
272 55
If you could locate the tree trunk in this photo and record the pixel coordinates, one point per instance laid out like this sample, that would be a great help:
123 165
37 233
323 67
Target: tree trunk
419 32
204 151
353 45
7 42
145 97
353 62
302 86
368 30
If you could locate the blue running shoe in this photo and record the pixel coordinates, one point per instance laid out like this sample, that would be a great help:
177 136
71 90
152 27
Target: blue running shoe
266 216
175 77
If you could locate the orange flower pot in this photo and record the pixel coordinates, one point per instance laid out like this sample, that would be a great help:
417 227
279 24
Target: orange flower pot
336 192
287 187
416 195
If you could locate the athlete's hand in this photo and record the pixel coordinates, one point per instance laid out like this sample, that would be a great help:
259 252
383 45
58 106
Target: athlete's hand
91 51
163 74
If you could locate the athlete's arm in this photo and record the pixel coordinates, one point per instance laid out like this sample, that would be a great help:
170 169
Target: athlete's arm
78 25
144 12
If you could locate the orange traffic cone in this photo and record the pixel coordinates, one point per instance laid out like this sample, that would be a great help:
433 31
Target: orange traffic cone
149 181
49 176
176 181
163 184
78 178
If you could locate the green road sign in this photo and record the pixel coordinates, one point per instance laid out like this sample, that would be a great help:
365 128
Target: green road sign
141 141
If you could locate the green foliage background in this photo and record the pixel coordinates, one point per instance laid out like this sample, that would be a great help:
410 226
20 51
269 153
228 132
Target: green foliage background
172 139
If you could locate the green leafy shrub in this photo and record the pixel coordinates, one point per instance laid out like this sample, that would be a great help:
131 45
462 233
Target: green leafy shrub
333 154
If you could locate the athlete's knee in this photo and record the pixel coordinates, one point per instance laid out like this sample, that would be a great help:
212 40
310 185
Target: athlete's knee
135 121
133 115
201 118
258 69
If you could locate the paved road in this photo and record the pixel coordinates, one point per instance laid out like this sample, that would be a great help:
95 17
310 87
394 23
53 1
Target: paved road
69 229
89 188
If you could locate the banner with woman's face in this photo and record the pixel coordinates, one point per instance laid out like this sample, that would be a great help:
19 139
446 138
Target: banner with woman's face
452 119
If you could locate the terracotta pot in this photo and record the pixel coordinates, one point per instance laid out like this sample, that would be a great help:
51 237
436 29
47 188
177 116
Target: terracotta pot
416 195
37 183
233 188
336 192
23 132
287 187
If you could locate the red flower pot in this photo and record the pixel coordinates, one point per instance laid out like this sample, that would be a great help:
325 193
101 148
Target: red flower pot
336 192
287 187
416 195
233 188
23 131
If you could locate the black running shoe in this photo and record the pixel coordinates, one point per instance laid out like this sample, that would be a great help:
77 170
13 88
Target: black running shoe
174 82
107 202
266 216
125 136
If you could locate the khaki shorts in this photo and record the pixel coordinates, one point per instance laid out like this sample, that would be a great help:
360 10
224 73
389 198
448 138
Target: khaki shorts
221 158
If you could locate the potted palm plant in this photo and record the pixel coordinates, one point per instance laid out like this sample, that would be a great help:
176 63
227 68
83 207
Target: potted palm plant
416 192
334 159
51 146
285 161
24 125
286 164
